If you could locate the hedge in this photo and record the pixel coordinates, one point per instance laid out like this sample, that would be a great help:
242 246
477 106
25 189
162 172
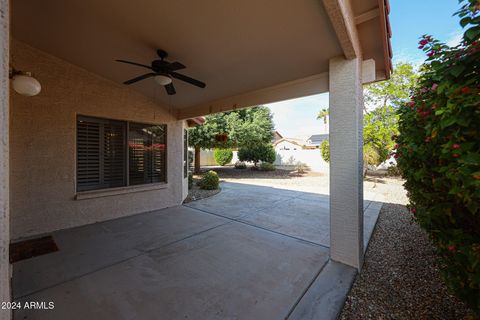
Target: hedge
438 154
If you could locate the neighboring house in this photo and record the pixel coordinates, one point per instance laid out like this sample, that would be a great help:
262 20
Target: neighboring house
289 144
276 136
316 140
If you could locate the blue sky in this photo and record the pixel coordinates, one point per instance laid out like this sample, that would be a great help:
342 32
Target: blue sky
409 19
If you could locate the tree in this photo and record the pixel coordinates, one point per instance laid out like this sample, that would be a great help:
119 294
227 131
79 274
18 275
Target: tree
394 91
381 123
323 114
205 136
249 127
379 126
245 127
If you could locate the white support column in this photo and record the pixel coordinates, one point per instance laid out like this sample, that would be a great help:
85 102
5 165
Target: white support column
346 161
4 168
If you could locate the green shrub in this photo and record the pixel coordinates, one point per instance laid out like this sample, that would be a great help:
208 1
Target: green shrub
325 150
256 153
209 181
190 180
223 156
438 153
267 166
240 165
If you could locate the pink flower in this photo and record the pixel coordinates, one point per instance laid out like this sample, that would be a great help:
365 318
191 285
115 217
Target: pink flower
434 86
465 90
452 248
411 104
455 146
431 53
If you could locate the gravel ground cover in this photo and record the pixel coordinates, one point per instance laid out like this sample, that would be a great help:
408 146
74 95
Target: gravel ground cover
400 278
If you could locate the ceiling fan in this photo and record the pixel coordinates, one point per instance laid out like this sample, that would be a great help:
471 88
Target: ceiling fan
163 72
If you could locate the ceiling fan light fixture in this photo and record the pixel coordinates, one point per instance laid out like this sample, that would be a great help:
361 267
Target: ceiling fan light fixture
163 80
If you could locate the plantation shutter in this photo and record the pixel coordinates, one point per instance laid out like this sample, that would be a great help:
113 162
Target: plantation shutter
100 154
147 153
88 155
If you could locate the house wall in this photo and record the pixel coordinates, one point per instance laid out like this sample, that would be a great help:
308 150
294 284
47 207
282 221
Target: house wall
286 145
4 159
43 154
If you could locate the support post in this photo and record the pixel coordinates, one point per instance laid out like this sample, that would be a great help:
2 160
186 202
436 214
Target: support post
4 157
346 161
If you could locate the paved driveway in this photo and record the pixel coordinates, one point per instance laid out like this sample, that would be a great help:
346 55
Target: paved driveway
250 252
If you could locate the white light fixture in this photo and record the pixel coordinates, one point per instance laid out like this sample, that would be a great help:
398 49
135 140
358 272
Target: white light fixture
24 83
162 79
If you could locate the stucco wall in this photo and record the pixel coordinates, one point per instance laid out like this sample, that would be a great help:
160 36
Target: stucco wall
43 146
4 159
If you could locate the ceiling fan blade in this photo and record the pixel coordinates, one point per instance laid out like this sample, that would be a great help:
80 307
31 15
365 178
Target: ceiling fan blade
134 63
145 76
176 66
170 89
188 79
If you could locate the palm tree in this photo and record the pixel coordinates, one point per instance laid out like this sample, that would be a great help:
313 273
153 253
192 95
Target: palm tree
323 114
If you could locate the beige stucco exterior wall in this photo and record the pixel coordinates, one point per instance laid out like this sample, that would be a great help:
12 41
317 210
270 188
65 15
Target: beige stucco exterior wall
4 158
42 146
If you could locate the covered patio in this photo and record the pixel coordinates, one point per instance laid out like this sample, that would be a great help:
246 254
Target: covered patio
212 259
88 156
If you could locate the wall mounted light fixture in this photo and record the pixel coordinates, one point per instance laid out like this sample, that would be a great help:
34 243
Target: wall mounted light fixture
24 83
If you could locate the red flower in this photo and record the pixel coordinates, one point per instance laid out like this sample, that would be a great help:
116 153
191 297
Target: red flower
423 42
428 139
413 210
455 146
396 146
411 104
455 155
465 90
431 53
452 248
396 155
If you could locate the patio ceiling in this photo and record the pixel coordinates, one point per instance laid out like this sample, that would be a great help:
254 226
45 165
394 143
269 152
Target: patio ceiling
235 47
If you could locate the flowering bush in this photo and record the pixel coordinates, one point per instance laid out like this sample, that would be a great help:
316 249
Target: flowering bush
438 153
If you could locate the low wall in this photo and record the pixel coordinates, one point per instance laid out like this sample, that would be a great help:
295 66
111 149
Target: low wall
311 158
286 159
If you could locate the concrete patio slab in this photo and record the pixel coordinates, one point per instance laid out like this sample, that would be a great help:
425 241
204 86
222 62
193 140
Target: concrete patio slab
326 296
233 271
301 215
92 247
250 252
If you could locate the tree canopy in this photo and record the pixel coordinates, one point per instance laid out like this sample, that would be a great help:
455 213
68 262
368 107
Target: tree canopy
394 91
381 123
244 127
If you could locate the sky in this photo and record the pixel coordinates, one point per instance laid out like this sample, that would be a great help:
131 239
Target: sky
409 19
